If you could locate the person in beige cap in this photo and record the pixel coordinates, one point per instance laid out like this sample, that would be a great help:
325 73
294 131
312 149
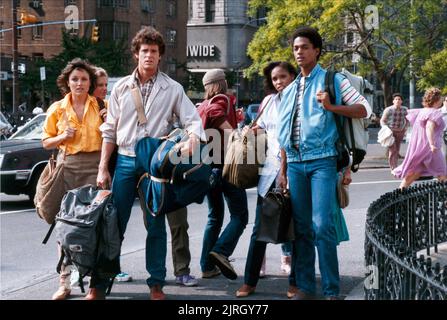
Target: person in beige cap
217 111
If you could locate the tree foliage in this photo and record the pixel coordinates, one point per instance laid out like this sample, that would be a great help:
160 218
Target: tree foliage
434 72
384 51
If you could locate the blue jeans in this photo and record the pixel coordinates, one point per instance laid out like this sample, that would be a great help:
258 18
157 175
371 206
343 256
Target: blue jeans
236 199
312 190
256 252
124 191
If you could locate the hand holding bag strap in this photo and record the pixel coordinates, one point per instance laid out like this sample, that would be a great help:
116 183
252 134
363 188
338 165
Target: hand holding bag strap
260 113
138 103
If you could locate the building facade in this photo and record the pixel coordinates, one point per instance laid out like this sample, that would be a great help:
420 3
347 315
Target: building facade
117 20
218 35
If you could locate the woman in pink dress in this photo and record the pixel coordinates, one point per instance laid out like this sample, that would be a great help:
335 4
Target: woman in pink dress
424 156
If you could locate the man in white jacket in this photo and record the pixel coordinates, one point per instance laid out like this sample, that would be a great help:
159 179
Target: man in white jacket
161 98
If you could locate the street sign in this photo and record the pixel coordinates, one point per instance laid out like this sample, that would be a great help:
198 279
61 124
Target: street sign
42 74
21 67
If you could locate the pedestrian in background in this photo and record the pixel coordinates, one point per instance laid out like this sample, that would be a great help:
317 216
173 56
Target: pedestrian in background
161 98
72 126
394 117
220 114
424 156
278 75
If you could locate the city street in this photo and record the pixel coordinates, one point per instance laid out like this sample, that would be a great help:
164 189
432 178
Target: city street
28 267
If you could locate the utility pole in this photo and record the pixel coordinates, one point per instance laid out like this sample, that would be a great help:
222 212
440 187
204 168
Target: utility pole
15 55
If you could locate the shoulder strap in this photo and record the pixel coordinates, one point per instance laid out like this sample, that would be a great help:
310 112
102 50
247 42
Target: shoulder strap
224 96
138 103
260 112
45 240
329 87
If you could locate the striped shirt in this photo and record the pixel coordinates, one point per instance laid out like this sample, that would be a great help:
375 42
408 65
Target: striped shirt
296 131
349 94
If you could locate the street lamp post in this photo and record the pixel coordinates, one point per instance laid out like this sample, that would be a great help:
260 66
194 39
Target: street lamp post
15 54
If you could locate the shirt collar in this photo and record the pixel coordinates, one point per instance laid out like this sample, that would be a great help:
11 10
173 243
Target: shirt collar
151 79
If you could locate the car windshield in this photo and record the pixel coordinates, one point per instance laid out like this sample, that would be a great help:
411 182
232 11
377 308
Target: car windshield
31 130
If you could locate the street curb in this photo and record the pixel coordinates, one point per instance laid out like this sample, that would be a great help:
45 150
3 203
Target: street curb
357 293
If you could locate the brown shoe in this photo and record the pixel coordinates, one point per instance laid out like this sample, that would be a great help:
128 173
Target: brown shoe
245 291
95 294
301 295
157 293
292 291
61 294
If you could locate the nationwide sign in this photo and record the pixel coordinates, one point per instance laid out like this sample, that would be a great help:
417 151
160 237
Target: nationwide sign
201 51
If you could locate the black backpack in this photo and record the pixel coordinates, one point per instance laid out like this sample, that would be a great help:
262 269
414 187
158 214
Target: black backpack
353 133
87 230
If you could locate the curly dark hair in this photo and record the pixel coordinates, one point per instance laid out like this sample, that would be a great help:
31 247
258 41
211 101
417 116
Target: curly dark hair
311 34
267 71
431 96
75 64
148 35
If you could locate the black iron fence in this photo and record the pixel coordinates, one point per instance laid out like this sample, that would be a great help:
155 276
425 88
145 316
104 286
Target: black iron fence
399 225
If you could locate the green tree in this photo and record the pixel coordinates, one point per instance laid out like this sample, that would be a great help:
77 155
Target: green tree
384 51
113 56
434 72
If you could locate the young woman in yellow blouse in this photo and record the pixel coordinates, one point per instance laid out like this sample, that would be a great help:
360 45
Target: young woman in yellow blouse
72 126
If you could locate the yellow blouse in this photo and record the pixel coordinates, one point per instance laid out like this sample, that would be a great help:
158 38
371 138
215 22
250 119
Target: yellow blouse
87 137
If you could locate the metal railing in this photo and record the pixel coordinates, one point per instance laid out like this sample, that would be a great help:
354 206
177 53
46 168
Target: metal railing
399 225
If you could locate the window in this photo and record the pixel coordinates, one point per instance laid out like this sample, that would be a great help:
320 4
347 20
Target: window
1 27
37 32
114 30
148 6
349 38
170 37
210 10
113 3
171 9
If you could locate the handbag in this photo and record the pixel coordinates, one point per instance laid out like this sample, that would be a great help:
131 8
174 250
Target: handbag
276 224
50 190
244 155
342 193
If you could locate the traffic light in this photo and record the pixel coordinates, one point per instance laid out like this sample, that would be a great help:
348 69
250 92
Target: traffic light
95 34
26 18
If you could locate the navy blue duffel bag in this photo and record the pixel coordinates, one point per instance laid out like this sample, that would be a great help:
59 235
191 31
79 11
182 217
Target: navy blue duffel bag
168 182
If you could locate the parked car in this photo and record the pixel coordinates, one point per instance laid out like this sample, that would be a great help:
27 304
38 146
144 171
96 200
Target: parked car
252 112
23 158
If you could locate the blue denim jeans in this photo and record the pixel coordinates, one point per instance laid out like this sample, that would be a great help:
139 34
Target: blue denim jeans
312 190
224 244
124 191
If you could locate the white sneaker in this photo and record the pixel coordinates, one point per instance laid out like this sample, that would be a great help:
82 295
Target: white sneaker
186 280
74 279
123 277
285 264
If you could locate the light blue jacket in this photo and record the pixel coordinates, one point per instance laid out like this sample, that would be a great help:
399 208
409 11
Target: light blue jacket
318 129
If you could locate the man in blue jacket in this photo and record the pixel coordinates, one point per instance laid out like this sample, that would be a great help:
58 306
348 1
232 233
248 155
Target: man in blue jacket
307 136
